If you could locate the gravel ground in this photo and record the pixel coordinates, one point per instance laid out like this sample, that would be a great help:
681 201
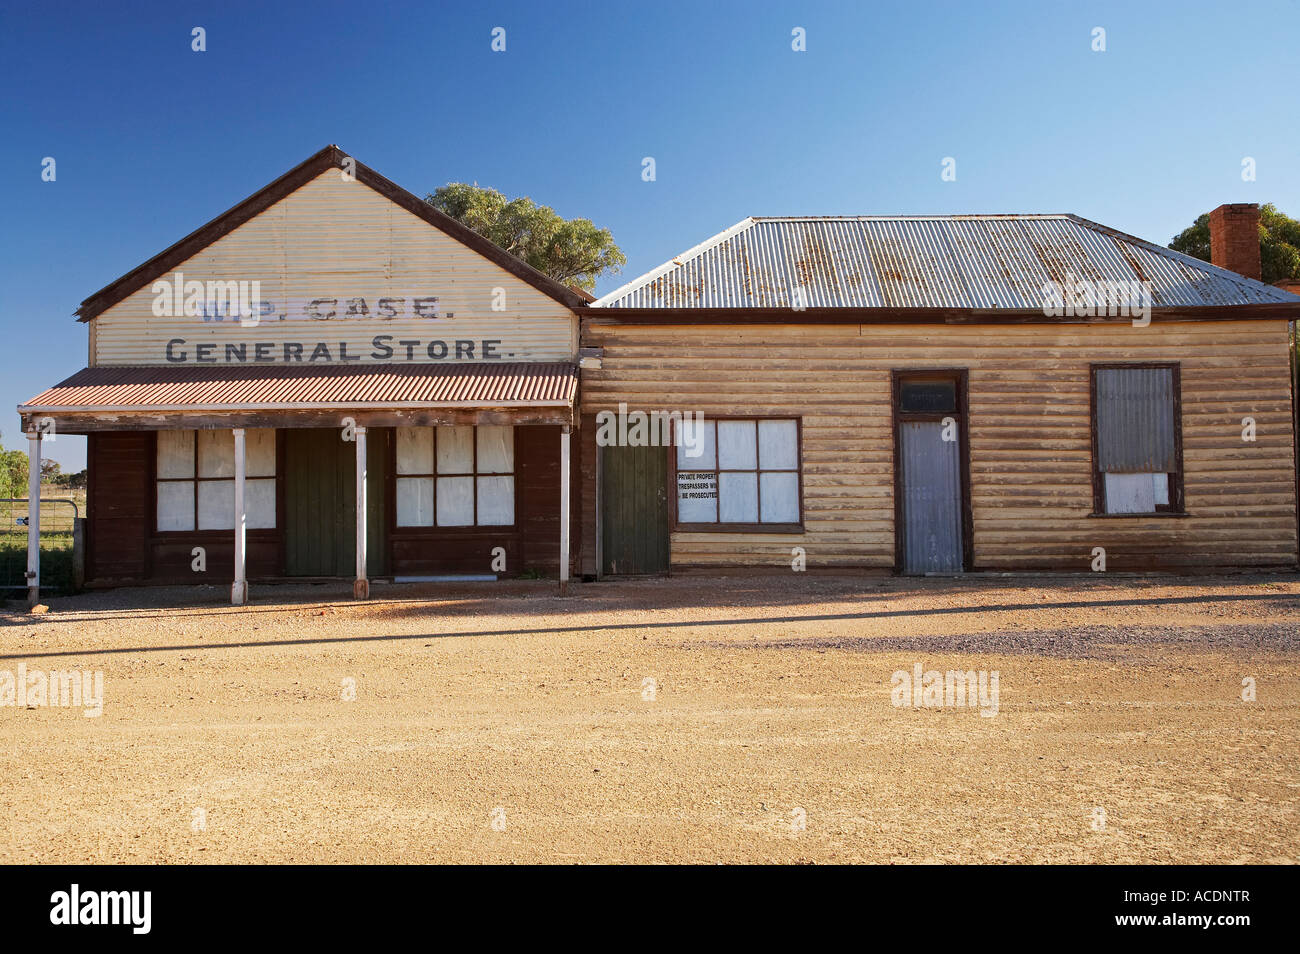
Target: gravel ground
698 719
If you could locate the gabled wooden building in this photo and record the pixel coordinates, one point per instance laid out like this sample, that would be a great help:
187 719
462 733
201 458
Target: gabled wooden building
330 379
333 379
939 394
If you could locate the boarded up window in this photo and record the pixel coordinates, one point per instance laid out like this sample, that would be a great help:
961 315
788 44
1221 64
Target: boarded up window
175 454
456 476
175 505
195 480
738 472
415 501
1137 459
415 450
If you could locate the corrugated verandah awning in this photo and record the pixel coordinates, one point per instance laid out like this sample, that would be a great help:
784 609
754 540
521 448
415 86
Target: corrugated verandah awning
106 398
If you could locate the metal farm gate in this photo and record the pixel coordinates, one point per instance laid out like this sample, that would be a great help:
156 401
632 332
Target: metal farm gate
62 532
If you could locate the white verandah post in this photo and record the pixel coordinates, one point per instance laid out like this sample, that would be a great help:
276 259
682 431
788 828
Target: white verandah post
239 589
33 517
361 586
564 507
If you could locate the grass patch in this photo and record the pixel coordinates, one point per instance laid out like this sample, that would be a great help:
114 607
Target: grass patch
56 563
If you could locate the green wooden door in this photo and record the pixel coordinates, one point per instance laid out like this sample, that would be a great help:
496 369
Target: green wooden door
634 510
320 503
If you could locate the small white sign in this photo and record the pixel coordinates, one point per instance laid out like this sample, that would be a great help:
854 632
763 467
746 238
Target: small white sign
697 485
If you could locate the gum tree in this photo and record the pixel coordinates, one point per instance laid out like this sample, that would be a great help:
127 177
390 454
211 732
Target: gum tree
1279 243
572 251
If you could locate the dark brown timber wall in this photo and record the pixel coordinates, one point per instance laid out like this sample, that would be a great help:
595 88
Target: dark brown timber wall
119 502
124 547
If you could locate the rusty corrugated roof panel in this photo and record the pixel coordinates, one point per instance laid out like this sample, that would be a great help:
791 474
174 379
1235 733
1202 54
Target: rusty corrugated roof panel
360 386
925 261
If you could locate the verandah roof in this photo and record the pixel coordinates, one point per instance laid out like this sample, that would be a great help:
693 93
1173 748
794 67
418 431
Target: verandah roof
129 396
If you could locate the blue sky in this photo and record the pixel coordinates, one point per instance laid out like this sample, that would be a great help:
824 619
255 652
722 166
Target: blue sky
152 139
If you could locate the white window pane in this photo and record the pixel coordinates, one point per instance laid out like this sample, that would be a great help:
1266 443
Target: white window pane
496 449
456 450
216 456
697 496
1130 493
259 452
217 503
737 497
455 501
780 497
175 453
778 445
415 501
496 501
696 445
175 505
1161 488
415 452
737 445
259 504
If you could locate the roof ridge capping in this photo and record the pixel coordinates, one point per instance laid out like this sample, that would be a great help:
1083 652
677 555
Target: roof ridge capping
330 157
1190 260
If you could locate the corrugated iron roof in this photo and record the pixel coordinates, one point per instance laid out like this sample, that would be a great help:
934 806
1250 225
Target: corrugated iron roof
925 261
279 387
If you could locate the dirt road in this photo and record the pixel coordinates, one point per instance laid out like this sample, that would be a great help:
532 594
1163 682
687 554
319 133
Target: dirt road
693 719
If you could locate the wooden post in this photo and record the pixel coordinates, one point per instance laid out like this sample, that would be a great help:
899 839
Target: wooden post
564 508
239 589
33 517
361 586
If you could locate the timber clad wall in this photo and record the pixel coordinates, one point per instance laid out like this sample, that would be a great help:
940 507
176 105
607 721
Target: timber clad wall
336 239
1029 432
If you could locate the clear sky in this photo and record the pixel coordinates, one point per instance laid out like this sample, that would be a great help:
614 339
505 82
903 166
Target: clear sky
152 139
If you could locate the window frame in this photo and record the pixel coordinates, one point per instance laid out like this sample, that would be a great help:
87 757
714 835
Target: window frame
674 525
473 475
155 480
1177 501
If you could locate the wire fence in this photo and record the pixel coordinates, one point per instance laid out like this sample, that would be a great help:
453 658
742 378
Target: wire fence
58 524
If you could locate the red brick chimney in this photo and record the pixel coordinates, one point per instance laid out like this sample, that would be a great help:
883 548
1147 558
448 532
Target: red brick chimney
1234 239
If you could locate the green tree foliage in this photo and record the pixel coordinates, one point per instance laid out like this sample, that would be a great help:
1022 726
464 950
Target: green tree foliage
1279 238
13 473
571 251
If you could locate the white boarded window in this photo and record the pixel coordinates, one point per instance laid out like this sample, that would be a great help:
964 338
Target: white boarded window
175 454
460 476
455 501
455 450
195 486
415 501
1138 467
175 505
738 472
217 453
415 450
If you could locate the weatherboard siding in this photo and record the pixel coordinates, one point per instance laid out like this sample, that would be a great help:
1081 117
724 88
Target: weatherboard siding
337 239
1030 439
